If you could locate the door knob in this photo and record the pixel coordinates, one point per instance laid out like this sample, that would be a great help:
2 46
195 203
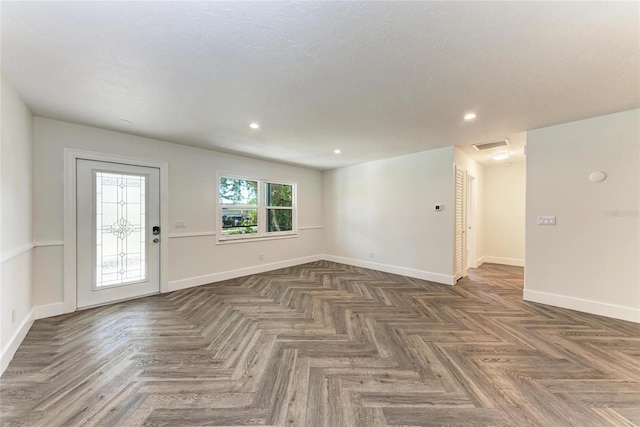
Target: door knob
156 240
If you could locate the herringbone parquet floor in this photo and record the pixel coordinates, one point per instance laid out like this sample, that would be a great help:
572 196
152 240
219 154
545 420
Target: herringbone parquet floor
326 344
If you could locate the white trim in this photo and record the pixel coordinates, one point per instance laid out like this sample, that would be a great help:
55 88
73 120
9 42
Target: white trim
12 346
193 234
404 271
70 158
49 310
39 312
69 290
12 253
500 260
630 314
472 219
46 243
164 223
213 233
232 274
261 207
256 239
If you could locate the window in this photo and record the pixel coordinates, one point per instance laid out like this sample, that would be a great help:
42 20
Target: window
279 207
253 208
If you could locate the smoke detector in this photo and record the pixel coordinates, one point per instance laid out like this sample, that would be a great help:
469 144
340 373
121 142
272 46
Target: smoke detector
493 144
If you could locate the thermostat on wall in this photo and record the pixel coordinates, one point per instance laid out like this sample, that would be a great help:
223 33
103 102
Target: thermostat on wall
439 207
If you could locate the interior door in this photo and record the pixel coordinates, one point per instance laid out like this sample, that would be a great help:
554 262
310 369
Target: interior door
460 243
118 233
470 254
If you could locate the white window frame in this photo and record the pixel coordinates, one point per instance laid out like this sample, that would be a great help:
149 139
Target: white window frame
262 208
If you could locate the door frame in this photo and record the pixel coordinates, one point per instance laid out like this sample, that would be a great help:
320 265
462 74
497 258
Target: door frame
70 217
471 236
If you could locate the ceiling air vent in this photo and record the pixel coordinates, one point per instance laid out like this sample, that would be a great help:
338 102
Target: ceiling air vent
493 144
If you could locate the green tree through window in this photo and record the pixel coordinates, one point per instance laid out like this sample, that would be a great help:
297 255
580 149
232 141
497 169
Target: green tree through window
279 203
235 191
254 208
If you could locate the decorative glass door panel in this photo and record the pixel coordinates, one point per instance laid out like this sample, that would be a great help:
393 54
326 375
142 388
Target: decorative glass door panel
118 217
121 229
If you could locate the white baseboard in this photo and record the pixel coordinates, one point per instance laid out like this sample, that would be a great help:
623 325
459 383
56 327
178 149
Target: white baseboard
50 310
10 350
232 274
516 262
587 306
404 271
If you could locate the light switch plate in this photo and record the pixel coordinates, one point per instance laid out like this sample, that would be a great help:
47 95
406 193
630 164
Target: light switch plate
547 220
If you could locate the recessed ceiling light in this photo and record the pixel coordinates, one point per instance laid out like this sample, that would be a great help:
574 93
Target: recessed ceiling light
254 125
500 156
337 151
470 116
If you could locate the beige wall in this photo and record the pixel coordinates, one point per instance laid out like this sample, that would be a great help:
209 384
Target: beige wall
504 214
15 220
193 260
589 260
381 215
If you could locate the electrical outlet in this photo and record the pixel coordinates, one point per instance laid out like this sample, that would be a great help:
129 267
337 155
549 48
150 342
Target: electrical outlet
180 224
13 316
547 220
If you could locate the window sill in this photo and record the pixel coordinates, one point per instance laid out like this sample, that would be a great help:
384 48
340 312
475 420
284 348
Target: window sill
255 239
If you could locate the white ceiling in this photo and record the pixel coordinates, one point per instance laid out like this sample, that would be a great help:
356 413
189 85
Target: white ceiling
515 147
375 79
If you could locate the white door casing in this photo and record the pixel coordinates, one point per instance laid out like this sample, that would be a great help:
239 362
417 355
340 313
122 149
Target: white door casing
71 155
471 191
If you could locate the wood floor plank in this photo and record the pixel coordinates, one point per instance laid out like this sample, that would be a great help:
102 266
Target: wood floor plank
326 344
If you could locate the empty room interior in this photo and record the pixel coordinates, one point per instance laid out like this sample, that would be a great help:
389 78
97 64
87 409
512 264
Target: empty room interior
320 213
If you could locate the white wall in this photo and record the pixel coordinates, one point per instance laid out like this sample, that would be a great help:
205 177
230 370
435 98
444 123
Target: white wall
504 213
386 208
194 260
15 221
475 170
589 260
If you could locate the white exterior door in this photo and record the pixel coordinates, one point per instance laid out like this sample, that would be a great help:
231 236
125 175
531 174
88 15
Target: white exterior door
118 219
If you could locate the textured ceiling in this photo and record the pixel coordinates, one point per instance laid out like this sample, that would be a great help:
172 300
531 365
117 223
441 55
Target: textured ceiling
375 79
